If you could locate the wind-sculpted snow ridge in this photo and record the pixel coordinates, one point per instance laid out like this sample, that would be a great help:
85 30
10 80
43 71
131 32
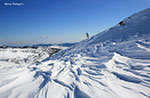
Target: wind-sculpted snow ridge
101 67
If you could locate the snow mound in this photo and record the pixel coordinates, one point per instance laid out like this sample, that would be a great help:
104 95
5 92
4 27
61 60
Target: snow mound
112 64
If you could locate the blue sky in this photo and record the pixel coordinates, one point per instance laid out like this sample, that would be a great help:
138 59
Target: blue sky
57 21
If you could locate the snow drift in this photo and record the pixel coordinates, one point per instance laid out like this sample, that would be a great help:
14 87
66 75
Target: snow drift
112 64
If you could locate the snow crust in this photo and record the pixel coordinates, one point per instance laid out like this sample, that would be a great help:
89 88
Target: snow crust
112 64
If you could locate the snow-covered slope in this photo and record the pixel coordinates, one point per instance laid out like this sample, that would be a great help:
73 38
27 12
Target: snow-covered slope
112 64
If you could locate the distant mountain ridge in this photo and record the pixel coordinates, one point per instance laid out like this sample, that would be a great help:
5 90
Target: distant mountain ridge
39 45
60 44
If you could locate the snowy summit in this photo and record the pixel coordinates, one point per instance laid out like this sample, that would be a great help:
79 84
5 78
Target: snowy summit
112 64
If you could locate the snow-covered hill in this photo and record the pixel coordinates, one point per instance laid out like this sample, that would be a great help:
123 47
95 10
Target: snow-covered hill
112 64
23 56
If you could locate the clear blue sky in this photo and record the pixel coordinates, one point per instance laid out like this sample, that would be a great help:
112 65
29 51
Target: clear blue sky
56 21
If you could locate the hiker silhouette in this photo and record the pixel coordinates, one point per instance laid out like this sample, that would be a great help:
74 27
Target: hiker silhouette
87 35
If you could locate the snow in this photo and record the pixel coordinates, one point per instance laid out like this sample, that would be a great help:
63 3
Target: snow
112 64
26 55
59 47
